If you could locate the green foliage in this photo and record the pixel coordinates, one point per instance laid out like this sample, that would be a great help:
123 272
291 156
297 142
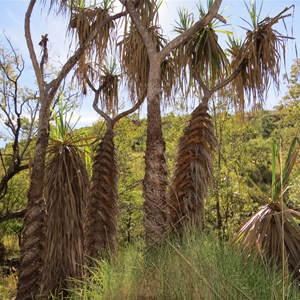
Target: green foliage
293 83
130 142
173 127
14 200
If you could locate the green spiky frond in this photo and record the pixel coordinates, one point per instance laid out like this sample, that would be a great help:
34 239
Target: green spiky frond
193 171
201 57
260 57
280 183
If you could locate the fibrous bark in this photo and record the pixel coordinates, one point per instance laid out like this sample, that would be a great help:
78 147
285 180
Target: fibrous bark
102 206
156 174
66 194
193 172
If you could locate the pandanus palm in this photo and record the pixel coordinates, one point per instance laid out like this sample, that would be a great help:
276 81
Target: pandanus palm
100 226
199 60
274 230
210 70
102 211
66 194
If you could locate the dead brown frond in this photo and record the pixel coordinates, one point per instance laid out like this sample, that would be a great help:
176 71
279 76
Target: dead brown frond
260 56
134 57
133 52
263 233
82 22
60 5
169 82
193 171
109 99
66 194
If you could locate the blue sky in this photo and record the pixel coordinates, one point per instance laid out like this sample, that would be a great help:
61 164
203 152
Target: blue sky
12 14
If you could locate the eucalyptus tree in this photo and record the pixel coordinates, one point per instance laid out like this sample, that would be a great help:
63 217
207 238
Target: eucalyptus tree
33 245
18 110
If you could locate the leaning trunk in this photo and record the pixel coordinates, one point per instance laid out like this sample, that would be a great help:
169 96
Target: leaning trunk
66 194
155 180
102 207
193 172
33 242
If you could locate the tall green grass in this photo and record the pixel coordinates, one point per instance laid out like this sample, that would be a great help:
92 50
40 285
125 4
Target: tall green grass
197 267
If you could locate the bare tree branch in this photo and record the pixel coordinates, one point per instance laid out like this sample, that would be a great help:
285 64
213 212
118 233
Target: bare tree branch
12 67
37 70
13 215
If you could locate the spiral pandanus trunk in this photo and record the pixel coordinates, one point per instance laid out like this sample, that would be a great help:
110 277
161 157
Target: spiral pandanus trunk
193 172
66 194
102 206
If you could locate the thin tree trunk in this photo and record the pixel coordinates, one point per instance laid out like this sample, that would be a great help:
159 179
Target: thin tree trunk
193 172
33 242
217 183
102 207
155 180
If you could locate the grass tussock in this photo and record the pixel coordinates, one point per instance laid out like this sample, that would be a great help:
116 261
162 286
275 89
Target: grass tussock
8 285
197 267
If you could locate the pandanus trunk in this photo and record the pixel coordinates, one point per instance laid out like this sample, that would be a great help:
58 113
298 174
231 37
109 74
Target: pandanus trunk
155 180
193 172
102 207
66 194
33 242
